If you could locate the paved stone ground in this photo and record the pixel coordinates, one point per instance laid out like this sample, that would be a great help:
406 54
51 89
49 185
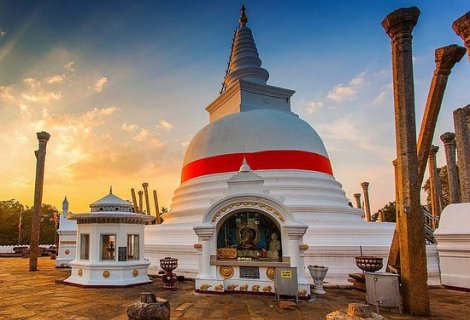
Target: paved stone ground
35 295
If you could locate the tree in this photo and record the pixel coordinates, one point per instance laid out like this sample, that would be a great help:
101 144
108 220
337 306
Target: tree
389 211
9 219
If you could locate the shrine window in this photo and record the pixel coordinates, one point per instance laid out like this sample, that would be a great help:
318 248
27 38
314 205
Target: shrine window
249 236
132 247
84 246
108 246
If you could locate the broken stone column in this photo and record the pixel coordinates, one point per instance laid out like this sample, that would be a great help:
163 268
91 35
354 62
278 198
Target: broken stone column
445 58
141 201
43 138
434 184
134 200
365 189
462 137
448 139
150 307
461 27
357 196
399 26
145 185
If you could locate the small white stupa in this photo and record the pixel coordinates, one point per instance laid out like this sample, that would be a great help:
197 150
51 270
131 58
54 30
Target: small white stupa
110 245
67 238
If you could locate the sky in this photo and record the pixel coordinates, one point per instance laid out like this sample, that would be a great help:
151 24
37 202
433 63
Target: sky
122 86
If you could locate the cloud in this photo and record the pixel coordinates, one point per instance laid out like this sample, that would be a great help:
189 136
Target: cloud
99 84
385 92
56 79
2 33
165 125
314 106
6 93
343 92
129 127
42 96
142 135
70 66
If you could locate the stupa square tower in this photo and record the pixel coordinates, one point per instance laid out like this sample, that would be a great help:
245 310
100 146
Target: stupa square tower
233 221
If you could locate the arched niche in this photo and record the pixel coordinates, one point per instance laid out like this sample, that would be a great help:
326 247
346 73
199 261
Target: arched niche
248 233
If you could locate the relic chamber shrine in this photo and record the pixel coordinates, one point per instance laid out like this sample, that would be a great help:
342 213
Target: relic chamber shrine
110 241
258 192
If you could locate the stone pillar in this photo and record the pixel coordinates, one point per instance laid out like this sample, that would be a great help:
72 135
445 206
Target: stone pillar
399 25
365 188
448 139
434 185
145 185
294 233
357 196
461 27
141 201
462 137
157 209
445 58
43 138
134 200
205 232
394 254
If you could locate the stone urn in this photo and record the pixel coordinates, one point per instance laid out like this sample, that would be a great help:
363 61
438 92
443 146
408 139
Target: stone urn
169 278
318 274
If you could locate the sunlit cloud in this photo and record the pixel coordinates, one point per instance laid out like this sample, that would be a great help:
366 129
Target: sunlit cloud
165 125
314 106
129 127
99 84
56 79
343 92
70 66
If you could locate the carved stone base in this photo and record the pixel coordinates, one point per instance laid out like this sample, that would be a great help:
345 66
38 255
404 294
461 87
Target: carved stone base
149 308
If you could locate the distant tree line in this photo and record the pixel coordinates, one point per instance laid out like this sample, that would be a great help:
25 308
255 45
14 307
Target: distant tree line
10 223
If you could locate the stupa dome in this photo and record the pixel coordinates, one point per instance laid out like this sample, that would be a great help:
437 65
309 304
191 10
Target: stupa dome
267 138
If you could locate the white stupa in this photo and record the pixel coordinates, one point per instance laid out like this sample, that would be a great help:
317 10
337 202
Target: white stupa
286 186
110 241
67 238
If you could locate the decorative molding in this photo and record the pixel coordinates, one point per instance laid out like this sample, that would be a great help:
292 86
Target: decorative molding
67 251
303 247
197 246
89 220
248 204
135 273
106 274
226 272
80 272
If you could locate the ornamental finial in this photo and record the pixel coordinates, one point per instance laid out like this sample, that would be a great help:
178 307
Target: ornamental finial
243 18
110 189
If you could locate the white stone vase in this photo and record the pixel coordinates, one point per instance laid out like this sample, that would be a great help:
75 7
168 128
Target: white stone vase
318 273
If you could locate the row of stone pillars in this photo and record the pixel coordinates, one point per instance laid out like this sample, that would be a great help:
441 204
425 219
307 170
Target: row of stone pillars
139 206
408 243
366 206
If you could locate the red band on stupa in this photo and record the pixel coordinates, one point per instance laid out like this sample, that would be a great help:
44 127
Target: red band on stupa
262 160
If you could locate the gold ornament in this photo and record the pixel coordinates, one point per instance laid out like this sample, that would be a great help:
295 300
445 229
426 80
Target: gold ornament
67 251
80 272
271 273
135 273
106 274
255 288
204 287
303 247
267 289
226 272
219 287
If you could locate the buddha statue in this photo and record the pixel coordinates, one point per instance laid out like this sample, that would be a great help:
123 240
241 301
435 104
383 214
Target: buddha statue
274 247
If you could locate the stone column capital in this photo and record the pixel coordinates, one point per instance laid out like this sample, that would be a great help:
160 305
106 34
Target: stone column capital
145 185
433 151
461 27
365 185
401 22
140 192
447 57
448 138
43 136
357 195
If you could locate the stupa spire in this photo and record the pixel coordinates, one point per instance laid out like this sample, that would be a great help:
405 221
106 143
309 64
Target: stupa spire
244 59
243 18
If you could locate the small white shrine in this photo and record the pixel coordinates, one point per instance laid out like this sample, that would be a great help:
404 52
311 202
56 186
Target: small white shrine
453 243
110 245
67 238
